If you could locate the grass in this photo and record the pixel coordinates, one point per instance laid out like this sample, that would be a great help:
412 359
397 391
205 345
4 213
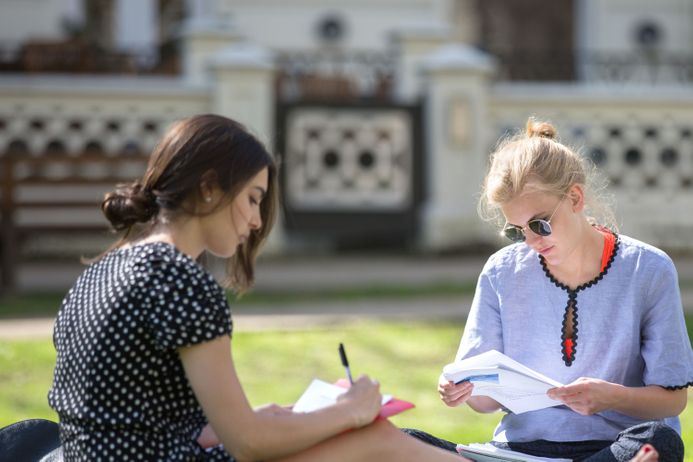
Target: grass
277 366
26 371
405 358
46 304
29 305
356 293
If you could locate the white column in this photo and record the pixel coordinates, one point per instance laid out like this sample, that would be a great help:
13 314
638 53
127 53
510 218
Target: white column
243 89
456 106
582 11
203 36
135 25
202 8
412 44
73 12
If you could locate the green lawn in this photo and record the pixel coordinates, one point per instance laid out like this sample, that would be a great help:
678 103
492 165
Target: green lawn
276 366
46 304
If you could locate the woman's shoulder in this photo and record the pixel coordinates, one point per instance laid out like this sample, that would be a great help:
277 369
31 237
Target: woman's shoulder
511 258
161 260
644 255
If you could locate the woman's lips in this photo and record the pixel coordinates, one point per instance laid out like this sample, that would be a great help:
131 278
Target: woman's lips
545 250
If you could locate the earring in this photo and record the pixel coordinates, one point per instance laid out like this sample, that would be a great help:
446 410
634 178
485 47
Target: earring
208 199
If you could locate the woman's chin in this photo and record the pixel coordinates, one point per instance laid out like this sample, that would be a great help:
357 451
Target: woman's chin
551 258
225 253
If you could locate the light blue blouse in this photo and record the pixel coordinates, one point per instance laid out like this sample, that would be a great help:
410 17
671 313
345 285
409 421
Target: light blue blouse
630 330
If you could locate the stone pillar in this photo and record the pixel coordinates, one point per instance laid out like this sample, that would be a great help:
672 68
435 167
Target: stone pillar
411 46
243 89
202 37
136 25
456 127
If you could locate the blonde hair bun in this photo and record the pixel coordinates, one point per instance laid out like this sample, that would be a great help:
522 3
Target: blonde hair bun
538 158
540 129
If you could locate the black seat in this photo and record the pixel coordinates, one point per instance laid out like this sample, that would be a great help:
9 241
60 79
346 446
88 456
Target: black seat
28 440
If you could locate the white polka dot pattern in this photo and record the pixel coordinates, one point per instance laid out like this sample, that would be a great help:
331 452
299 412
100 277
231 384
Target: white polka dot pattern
119 387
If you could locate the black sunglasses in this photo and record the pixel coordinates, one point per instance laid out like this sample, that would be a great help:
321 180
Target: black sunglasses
537 226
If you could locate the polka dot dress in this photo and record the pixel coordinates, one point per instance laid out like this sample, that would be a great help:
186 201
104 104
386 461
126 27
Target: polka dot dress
119 386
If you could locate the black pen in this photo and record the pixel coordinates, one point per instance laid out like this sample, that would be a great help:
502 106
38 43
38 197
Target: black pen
345 362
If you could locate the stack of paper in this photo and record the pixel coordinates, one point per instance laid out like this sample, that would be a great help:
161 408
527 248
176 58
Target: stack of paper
489 453
514 386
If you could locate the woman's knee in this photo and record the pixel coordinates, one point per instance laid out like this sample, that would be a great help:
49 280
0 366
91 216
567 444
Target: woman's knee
381 431
430 439
667 442
665 439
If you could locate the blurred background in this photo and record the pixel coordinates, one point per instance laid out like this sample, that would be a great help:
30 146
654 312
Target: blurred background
382 113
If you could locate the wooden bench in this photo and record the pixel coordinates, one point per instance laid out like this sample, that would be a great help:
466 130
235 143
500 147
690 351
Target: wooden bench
55 196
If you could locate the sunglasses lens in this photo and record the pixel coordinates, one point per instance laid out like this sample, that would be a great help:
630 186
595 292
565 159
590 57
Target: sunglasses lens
514 234
540 227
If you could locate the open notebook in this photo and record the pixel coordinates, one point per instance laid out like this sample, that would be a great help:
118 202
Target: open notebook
320 394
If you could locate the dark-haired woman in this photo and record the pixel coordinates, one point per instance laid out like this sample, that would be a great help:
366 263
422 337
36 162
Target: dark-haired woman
144 368
598 311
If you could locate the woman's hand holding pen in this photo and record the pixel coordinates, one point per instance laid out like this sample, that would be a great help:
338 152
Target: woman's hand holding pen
454 394
363 401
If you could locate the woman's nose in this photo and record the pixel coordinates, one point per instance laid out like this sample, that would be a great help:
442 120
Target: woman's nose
256 221
531 236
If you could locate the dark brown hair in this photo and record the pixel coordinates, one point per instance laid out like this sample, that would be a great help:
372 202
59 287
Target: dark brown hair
189 152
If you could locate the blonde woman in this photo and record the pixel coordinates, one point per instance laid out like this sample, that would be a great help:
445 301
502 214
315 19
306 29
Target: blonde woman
580 303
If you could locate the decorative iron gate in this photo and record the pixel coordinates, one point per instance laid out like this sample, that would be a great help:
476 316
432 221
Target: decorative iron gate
351 173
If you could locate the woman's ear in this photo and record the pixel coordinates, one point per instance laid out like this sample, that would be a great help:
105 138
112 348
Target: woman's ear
209 184
576 196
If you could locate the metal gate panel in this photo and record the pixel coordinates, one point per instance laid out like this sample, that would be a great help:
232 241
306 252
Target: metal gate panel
351 171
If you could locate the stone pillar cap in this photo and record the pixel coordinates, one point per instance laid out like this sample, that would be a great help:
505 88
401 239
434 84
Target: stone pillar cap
423 31
459 57
209 27
244 55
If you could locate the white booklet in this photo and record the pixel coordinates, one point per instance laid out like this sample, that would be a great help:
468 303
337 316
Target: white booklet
516 387
320 394
489 453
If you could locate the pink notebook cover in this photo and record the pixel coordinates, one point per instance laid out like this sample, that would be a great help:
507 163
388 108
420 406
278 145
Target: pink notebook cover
392 407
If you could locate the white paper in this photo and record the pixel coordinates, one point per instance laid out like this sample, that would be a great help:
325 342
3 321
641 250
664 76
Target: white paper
489 453
515 386
320 394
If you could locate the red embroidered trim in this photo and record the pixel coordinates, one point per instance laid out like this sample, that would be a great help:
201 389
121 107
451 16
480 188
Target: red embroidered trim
609 243
568 347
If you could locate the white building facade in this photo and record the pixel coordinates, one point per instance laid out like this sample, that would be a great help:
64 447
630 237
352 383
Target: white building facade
382 115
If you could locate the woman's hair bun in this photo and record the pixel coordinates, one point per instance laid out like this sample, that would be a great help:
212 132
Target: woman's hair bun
540 129
129 204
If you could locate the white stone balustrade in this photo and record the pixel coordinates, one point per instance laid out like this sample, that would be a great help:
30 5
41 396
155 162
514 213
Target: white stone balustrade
641 138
